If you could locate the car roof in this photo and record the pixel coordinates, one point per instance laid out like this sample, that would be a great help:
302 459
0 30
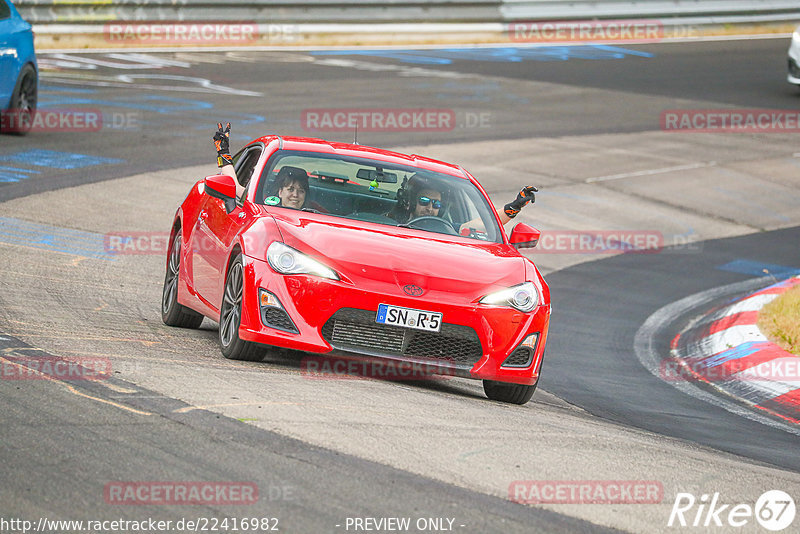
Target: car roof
311 144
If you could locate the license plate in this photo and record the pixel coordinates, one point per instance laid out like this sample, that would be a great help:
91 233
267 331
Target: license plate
409 318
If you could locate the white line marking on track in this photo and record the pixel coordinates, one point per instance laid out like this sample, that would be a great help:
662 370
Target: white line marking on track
650 172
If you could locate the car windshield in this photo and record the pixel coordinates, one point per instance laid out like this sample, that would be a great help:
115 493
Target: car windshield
377 192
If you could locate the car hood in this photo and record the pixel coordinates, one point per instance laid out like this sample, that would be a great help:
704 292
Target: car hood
403 261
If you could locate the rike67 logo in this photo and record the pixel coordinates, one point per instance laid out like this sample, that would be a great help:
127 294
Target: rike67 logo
774 510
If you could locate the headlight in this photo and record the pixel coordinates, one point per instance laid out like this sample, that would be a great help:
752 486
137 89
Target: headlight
523 297
286 260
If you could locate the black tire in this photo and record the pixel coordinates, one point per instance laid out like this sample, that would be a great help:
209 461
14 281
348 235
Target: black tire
172 313
230 318
23 102
505 392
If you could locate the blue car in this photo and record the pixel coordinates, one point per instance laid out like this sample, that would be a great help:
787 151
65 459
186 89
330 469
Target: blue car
19 74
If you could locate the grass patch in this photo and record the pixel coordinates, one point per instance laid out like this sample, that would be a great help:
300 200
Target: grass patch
780 320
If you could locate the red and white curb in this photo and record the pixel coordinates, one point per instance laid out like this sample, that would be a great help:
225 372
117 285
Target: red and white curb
726 350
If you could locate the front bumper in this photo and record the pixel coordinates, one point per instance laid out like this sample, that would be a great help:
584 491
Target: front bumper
334 317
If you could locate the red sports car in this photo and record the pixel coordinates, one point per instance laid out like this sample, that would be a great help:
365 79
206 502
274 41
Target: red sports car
350 268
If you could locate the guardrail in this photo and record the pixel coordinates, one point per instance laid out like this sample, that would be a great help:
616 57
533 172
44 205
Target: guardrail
393 11
271 11
512 10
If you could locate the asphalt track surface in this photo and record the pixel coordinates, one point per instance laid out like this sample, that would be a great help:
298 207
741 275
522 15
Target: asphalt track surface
304 488
58 444
597 330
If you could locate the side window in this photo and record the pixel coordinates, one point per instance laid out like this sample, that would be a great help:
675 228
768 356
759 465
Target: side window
246 164
5 11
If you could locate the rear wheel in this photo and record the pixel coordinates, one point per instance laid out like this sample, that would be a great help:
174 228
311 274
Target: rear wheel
172 313
22 107
230 318
505 392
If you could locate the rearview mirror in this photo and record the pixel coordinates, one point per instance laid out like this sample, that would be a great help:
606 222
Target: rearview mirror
223 187
524 236
377 176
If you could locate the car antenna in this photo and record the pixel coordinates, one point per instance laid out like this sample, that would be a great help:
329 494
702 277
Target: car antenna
355 135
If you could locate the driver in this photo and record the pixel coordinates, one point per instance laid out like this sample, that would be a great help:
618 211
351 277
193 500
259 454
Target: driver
422 197
418 197
427 203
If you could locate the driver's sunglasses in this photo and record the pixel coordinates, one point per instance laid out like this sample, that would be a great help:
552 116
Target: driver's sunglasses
424 201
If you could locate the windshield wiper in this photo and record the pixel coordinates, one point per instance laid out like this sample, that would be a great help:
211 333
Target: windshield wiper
310 210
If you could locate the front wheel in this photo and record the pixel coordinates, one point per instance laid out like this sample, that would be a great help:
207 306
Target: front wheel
230 318
173 313
505 392
22 107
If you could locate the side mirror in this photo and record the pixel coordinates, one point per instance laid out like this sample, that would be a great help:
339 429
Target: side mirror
223 187
524 236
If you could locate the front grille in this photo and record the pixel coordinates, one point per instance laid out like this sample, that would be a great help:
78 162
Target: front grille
355 330
362 335
277 318
521 357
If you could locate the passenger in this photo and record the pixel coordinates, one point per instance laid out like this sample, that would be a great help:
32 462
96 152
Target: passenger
290 188
224 159
291 184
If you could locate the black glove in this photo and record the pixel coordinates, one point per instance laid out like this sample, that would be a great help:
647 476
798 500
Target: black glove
223 146
523 197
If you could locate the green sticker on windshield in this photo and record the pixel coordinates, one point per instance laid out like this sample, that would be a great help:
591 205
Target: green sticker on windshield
272 201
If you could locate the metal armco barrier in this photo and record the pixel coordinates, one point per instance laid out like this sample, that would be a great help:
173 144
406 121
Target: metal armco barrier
394 11
270 11
512 10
